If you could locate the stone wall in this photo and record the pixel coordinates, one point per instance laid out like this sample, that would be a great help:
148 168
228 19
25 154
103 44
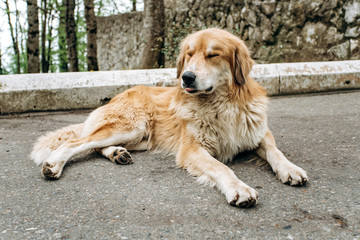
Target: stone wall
274 31
119 40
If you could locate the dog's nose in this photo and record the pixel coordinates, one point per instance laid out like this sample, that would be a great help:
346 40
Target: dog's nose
188 77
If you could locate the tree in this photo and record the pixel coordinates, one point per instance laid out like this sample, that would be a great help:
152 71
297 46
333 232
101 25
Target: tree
71 35
154 33
47 22
62 51
32 44
133 5
14 37
44 63
91 30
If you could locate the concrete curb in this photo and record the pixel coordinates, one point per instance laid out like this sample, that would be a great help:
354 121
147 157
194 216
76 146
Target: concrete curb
83 90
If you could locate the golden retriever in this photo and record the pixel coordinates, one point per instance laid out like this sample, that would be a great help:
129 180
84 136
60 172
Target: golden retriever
216 111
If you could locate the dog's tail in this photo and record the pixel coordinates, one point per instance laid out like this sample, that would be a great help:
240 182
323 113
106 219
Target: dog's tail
49 142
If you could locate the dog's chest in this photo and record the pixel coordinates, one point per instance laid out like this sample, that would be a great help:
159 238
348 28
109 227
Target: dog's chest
227 131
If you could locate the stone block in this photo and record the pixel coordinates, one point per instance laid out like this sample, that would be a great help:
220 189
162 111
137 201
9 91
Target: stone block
313 32
318 76
340 51
268 7
268 77
352 11
81 90
352 32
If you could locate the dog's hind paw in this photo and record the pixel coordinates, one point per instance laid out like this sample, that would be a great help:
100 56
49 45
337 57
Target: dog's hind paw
51 172
121 156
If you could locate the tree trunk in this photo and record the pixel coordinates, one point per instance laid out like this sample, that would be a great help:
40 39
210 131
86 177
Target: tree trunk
71 35
91 35
154 33
44 63
133 5
13 38
63 55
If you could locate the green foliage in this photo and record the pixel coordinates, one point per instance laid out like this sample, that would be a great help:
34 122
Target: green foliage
13 58
2 67
23 63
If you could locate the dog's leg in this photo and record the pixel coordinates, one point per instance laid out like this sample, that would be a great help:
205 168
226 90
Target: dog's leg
286 171
116 154
198 162
52 167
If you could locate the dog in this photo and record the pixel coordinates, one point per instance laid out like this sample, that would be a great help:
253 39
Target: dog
215 112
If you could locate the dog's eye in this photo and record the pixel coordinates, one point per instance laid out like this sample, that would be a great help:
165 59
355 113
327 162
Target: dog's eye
189 54
212 55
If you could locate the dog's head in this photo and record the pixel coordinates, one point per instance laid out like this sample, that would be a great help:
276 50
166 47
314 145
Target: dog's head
212 58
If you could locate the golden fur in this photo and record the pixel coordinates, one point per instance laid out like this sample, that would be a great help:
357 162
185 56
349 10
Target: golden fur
216 111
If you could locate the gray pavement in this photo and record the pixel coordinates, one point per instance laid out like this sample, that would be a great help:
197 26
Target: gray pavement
152 199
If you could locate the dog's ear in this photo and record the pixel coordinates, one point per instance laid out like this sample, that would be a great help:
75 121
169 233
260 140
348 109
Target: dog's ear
180 61
242 63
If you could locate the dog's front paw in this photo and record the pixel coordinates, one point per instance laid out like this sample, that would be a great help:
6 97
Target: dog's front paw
292 175
242 195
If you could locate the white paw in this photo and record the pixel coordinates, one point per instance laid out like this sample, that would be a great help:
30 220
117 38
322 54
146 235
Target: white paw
51 171
241 195
291 174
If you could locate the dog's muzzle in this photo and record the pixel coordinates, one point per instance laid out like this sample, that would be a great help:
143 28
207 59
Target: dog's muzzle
188 79
189 83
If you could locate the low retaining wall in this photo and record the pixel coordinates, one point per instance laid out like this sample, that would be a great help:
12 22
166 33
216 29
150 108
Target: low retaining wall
84 90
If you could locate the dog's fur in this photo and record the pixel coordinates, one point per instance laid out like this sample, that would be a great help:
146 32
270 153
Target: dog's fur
216 111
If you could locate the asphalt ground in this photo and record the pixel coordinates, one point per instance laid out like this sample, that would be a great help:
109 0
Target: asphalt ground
152 199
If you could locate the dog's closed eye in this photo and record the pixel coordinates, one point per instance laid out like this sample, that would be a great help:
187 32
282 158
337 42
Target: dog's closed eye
212 55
